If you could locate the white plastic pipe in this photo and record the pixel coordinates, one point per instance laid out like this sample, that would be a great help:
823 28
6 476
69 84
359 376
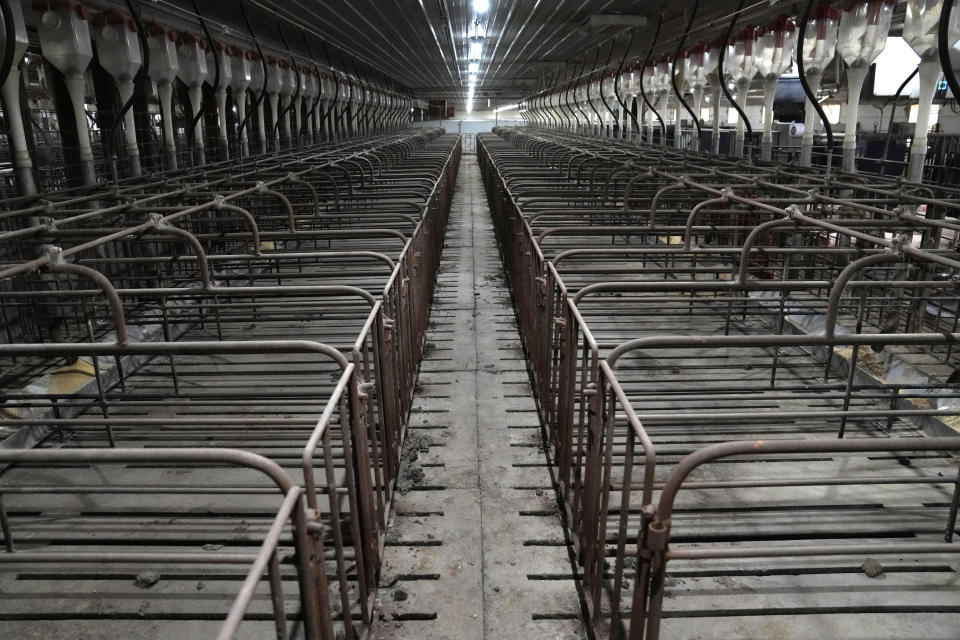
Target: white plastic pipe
76 87
240 99
715 135
809 121
165 93
196 105
766 142
855 78
125 89
23 166
743 90
677 129
697 106
929 74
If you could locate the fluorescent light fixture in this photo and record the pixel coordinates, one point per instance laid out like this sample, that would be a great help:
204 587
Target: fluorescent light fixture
481 6
472 79
475 51
508 107
469 106
474 67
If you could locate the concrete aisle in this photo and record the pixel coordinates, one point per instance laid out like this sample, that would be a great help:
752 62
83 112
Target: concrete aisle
476 549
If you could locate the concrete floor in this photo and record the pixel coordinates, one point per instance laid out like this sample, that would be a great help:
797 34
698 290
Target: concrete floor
477 548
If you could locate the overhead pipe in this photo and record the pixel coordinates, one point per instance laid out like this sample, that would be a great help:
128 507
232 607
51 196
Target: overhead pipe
65 44
864 25
816 48
15 46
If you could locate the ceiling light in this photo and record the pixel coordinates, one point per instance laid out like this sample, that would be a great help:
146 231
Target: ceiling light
481 6
474 67
472 79
476 49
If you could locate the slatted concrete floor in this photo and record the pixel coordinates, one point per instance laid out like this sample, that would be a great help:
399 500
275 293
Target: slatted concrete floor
477 547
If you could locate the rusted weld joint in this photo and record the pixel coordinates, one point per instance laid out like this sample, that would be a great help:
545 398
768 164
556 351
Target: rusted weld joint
658 535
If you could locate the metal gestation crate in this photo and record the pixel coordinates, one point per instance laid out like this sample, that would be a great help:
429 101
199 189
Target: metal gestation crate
205 382
748 376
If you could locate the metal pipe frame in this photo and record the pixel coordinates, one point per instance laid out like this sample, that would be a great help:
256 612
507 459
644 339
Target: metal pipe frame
667 300
204 278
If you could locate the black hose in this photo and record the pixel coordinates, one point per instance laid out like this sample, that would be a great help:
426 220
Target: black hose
331 115
893 112
316 70
596 59
673 75
550 91
9 42
579 108
607 66
643 70
943 48
566 99
342 112
286 110
809 92
216 62
616 81
723 81
255 105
